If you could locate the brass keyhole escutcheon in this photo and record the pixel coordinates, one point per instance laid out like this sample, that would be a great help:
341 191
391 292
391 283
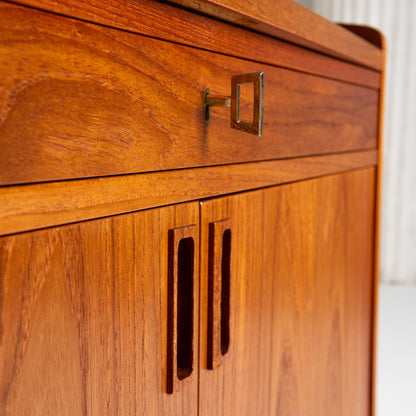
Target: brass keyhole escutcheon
233 102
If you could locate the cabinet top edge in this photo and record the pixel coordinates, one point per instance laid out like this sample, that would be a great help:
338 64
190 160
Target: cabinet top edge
292 22
173 22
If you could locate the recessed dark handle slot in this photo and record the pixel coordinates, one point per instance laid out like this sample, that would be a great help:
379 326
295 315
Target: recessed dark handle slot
181 306
185 307
225 291
219 290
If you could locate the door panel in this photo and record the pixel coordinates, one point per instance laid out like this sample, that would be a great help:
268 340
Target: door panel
301 300
83 318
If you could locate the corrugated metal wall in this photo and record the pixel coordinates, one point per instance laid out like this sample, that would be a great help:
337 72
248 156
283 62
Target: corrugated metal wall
397 20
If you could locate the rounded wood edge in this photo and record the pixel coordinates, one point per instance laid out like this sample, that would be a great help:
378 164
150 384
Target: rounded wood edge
382 41
368 33
377 38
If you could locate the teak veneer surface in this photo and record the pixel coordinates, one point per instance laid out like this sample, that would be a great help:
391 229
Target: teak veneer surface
83 328
28 207
301 300
80 100
289 20
163 21
91 89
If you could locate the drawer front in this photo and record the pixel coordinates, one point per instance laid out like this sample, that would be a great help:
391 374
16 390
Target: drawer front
81 100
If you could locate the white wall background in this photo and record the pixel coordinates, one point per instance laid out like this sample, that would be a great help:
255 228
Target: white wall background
396 366
397 20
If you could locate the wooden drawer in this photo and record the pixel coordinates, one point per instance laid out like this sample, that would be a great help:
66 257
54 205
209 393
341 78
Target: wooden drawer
82 100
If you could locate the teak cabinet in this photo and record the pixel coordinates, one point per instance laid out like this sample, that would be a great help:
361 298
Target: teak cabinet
151 264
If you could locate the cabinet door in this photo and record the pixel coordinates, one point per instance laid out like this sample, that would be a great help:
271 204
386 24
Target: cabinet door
300 315
84 316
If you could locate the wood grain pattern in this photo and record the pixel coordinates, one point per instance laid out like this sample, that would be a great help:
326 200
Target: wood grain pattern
79 100
83 318
162 21
301 291
288 20
29 207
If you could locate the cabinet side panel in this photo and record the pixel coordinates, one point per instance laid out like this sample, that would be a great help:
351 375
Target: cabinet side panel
301 298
